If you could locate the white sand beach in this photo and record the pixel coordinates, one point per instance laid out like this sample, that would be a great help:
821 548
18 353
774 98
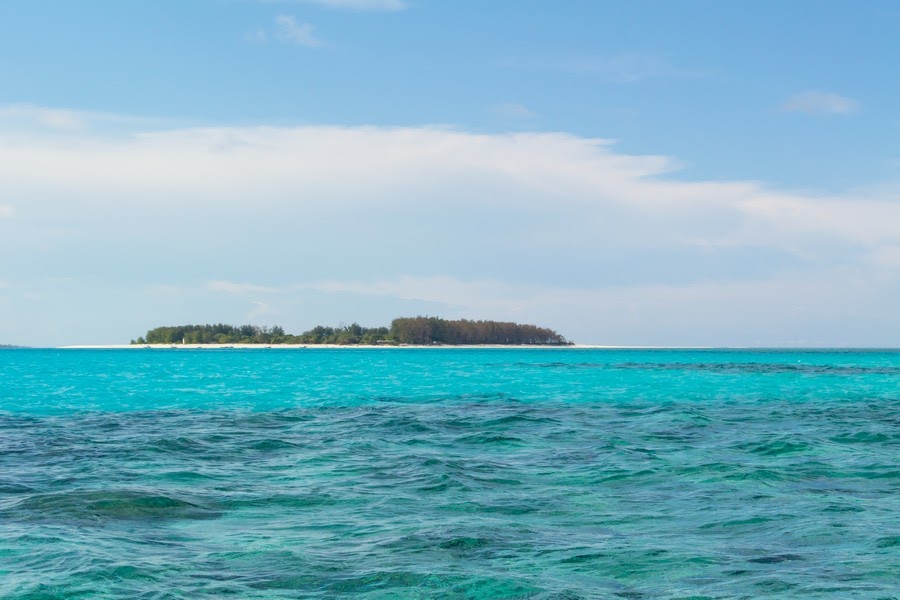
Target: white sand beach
356 347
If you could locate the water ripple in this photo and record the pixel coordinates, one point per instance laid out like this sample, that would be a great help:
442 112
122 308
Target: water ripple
556 488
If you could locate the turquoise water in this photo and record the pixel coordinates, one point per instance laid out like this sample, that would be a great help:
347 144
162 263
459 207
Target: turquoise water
448 473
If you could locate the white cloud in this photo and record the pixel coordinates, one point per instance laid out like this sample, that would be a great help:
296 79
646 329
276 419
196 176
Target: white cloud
513 110
548 227
577 183
7 212
289 30
260 312
820 103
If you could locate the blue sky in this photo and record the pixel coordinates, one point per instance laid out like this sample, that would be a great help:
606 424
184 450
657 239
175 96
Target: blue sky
706 173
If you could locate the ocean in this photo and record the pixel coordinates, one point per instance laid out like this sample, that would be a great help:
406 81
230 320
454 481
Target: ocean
449 473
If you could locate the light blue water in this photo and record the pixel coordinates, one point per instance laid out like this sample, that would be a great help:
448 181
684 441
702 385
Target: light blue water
448 473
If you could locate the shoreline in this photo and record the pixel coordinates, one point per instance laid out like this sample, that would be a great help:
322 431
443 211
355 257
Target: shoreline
365 347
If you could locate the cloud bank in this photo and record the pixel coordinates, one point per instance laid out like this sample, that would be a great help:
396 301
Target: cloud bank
328 224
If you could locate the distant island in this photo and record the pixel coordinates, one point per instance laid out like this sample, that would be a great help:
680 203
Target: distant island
413 331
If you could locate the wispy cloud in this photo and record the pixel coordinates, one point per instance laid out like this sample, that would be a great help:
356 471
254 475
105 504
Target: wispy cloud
231 287
7 212
261 311
820 103
30 117
49 117
513 110
289 30
257 36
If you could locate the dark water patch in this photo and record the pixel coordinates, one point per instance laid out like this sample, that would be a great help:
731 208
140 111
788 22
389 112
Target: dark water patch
759 474
465 544
405 424
185 476
776 447
274 445
129 572
442 483
407 583
775 559
563 595
103 505
762 368
738 523
772 585
290 501
842 508
589 557
863 437
490 439
877 472
507 507
12 488
185 445
521 418
890 541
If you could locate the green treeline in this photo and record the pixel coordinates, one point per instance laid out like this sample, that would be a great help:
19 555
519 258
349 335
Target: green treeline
406 330
433 330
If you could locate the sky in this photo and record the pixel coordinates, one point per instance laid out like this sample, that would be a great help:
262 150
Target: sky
628 173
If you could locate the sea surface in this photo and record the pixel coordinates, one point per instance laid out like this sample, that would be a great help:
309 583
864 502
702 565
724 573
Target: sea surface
449 473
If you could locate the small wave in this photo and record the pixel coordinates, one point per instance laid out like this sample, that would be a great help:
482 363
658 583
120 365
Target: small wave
490 438
775 559
861 437
776 447
464 544
100 505
300 500
274 445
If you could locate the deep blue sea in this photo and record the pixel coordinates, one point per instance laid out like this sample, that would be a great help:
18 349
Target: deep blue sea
449 473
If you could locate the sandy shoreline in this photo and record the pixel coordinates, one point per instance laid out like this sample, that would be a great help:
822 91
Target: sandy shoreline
341 347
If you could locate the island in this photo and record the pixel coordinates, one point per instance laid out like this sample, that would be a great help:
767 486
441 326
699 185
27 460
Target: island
404 331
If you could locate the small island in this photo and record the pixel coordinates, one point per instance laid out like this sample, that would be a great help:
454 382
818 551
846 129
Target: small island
405 331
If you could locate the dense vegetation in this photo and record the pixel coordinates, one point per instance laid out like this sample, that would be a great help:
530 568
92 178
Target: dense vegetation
433 330
407 330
